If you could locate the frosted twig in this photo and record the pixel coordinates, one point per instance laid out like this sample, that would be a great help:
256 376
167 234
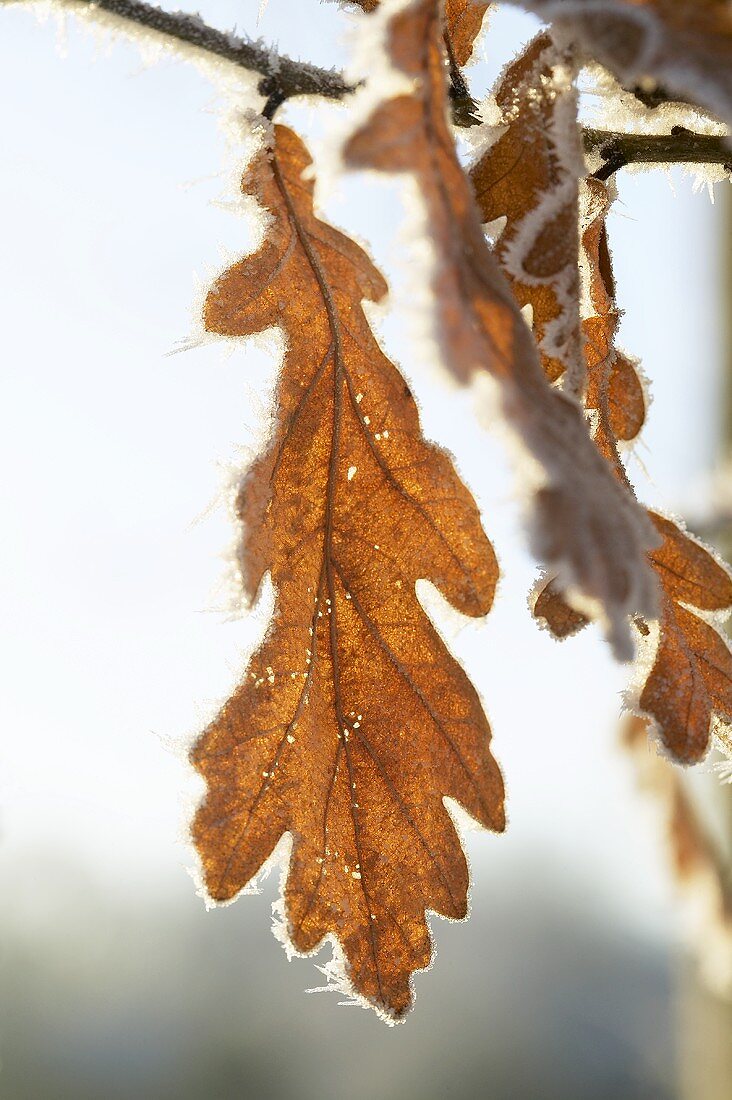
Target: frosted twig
681 146
281 76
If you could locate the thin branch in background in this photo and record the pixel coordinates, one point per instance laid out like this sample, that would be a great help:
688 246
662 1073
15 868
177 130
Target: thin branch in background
681 146
280 75
282 78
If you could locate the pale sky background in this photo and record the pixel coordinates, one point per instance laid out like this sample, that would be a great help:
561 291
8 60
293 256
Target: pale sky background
113 641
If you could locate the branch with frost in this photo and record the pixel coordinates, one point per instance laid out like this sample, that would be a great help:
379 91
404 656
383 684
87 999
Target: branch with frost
282 77
681 146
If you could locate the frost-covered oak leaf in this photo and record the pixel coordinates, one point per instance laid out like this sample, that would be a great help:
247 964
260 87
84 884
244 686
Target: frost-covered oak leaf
463 24
529 176
683 45
614 392
690 681
353 722
685 689
581 522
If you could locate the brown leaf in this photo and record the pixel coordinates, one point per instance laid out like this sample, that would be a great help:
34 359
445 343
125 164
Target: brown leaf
582 522
691 678
626 403
684 45
353 722
689 681
549 606
614 390
463 24
696 862
687 691
529 177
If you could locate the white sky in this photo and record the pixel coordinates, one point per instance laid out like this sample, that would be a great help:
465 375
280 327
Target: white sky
112 455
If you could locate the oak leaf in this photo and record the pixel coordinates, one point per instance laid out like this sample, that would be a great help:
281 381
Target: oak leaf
582 522
529 176
686 686
353 723
683 45
690 683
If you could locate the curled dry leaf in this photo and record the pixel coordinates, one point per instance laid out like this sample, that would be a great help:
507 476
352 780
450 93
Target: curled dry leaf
683 45
583 524
353 722
614 395
697 863
529 176
551 609
690 682
686 688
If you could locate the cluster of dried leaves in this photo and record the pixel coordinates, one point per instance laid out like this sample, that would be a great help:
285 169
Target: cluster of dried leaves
353 723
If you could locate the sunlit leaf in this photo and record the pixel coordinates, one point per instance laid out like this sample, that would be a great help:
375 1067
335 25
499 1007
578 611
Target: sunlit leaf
463 24
686 686
582 522
529 176
353 722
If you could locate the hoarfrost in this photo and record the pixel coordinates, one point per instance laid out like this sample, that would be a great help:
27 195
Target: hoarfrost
644 47
580 521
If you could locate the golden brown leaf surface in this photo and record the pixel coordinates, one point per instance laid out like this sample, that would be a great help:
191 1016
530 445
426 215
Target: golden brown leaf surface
353 722
689 682
463 23
529 177
582 522
614 390
685 45
551 608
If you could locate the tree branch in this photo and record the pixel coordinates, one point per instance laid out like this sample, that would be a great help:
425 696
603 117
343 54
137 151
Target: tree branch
281 76
681 146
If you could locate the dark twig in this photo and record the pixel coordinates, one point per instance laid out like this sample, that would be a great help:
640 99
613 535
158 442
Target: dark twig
281 76
464 107
681 146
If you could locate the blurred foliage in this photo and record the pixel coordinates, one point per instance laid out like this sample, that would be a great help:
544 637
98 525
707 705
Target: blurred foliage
537 996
